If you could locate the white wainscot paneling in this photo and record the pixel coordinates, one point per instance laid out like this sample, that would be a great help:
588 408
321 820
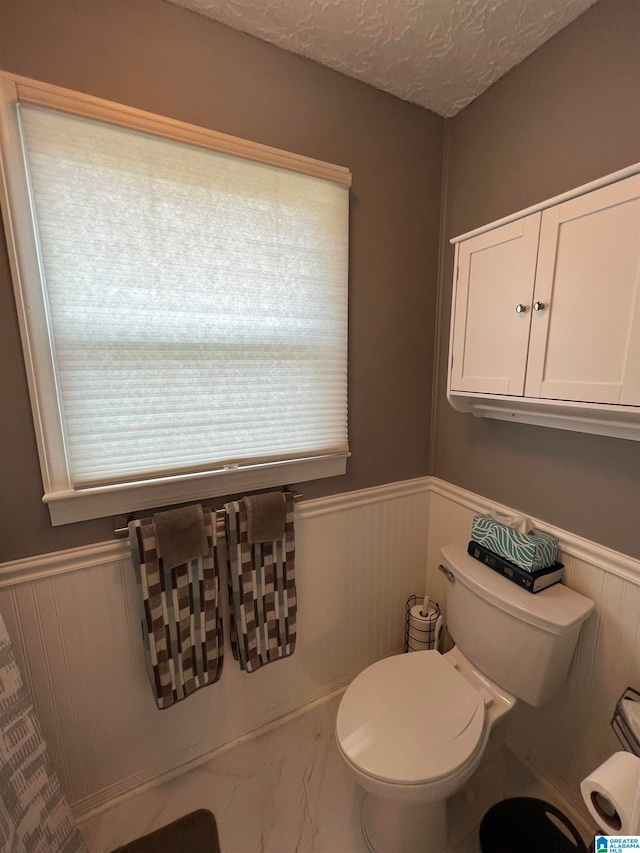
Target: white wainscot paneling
74 618
570 736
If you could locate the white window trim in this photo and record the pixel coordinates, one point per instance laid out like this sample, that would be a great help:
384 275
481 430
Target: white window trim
65 503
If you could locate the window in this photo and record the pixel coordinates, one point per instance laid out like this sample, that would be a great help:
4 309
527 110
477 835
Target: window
183 301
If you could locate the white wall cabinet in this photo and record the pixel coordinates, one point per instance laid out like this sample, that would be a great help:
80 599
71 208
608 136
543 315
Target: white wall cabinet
545 323
496 273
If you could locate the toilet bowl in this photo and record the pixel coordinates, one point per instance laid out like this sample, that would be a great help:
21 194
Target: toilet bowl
413 728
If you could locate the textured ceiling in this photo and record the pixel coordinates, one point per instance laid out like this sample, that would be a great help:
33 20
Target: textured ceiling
440 54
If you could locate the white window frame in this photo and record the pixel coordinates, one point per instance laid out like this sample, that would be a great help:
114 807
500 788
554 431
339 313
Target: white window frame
65 503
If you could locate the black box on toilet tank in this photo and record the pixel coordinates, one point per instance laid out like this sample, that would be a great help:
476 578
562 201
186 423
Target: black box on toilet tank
531 581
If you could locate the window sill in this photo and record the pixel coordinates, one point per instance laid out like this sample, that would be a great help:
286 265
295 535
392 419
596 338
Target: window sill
99 502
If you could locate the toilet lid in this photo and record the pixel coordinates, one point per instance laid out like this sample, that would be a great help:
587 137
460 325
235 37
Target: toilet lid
410 719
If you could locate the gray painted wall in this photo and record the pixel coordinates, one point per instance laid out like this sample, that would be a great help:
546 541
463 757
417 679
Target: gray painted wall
159 57
568 114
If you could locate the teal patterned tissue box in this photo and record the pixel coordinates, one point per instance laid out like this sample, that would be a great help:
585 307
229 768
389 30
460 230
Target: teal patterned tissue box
530 551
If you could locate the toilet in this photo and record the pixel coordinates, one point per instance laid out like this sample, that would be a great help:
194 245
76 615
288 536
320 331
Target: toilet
413 728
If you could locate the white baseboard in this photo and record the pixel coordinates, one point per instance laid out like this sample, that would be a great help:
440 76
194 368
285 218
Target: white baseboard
568 800
115 795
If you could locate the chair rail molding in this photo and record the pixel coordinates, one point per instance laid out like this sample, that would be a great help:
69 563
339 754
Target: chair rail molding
614 562
45 565
73 559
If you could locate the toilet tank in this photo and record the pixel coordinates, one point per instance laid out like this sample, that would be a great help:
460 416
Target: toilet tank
522 641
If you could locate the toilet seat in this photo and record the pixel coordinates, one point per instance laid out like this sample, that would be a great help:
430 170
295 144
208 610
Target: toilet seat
410 720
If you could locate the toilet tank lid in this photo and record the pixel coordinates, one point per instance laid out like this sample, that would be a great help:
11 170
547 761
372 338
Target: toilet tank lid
556 609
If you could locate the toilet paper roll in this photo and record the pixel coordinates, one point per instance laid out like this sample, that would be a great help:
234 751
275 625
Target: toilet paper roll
422 629
610 793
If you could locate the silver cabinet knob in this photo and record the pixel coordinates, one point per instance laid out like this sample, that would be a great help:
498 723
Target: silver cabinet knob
521 309
539 306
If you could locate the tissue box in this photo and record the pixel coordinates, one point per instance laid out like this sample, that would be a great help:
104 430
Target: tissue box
530 551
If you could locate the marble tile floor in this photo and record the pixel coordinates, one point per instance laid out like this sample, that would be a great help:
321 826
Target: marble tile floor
288 791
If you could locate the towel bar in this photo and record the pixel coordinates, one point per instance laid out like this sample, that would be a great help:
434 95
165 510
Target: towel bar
121 522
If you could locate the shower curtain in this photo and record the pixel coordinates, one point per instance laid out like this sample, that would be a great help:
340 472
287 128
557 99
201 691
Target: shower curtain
34 814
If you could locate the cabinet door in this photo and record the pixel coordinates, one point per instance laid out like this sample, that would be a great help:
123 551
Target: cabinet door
496 273
585 333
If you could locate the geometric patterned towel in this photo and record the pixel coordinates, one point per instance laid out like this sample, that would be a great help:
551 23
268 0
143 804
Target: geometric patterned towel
34 815
262 591
181 622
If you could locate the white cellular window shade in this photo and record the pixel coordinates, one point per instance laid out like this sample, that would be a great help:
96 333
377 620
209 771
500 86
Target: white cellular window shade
196 307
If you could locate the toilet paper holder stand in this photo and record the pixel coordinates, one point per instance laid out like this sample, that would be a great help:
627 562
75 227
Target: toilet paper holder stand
426 634
625 724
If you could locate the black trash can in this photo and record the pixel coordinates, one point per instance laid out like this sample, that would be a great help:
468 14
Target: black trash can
528 825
